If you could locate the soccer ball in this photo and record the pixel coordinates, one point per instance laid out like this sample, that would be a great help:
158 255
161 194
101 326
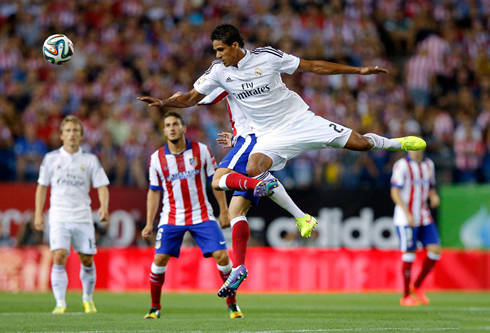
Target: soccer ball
58 49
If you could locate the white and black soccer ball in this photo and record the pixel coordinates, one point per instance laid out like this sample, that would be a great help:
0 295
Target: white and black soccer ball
58 49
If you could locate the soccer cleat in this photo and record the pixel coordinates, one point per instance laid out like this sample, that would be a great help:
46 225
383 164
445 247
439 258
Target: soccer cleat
409 301
154 313
59 309
265 187
420 295
235 311
89 307
409 143
237 276
306 224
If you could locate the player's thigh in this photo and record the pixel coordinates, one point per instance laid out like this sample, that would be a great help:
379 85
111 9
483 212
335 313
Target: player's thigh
429 237
169 239
208 236
161 259
238 156
241 202
83 238
59 237
407 237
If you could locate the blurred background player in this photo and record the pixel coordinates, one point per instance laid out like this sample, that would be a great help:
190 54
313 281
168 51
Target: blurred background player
70 171
181 168
412 183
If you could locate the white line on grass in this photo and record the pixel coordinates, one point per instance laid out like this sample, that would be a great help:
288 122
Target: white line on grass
375 329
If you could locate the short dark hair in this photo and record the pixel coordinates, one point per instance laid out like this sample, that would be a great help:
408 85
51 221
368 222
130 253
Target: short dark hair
174 114
228 34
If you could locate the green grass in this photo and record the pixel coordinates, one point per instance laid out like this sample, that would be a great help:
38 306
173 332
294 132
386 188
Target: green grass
380 312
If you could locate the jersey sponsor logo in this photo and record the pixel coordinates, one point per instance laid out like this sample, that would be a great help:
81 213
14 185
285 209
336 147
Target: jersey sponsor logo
249 91
193 162
258 71
182 175
70 180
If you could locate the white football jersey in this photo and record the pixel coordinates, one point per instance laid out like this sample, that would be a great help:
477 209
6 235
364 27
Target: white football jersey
414 181
257 88
238 120
70 177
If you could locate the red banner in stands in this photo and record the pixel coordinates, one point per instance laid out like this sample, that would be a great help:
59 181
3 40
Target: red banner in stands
270 270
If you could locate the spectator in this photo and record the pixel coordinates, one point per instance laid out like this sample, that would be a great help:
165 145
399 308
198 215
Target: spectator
29 151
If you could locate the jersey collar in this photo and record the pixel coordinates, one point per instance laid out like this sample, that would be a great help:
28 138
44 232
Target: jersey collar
244 60
65 153
188 146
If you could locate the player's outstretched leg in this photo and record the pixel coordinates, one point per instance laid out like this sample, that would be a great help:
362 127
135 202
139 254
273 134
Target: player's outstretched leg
306 224
397 144
237 276
265 187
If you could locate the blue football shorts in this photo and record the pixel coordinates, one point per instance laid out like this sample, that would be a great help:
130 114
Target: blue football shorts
237 159
207 235
408 236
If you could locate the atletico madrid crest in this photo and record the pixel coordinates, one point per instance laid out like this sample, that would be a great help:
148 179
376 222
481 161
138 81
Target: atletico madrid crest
193 162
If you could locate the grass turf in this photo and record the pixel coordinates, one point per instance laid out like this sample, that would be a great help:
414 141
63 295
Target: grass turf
469 312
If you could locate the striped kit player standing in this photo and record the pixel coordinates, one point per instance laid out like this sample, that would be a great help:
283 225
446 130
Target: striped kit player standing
412 184
180 169
70 171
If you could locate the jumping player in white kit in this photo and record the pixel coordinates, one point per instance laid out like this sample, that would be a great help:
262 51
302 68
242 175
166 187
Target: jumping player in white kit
70 171
282 121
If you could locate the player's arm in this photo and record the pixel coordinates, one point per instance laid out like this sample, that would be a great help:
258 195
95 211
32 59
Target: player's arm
321 67
175 101
224 216
397 199
103 213
41 191
434 198
152 201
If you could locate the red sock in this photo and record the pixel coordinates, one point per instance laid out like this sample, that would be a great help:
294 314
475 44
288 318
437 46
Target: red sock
407 274
230 299
426 268
156 282
240 235
238 182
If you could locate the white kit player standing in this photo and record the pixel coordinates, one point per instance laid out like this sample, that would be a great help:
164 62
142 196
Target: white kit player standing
70 171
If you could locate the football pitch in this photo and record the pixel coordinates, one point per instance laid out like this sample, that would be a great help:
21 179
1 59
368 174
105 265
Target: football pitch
374 312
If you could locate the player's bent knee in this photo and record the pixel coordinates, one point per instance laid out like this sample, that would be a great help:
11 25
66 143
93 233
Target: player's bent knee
221 257
86 259
161 259
436 249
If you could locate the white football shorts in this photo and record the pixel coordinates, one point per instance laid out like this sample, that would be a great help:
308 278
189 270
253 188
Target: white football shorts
80 235
310 132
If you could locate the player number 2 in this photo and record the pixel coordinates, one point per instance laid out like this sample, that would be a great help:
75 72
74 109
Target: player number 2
335 128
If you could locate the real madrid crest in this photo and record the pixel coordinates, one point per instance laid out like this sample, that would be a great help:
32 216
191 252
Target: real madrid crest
82 167
258 71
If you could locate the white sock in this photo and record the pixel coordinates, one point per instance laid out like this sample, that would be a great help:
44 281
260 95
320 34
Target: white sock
88 277
381 142
225 269
59 282
282 198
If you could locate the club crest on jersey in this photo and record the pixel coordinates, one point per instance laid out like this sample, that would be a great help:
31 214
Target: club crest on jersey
193 162
82 167
158 244
258 71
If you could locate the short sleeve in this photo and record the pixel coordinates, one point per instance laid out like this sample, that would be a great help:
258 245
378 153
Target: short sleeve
210 162
44 173
216 96
99 178
398 176
208 81
155 180
281 62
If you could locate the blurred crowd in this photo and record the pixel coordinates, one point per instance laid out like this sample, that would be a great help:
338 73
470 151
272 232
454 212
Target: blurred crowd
437 52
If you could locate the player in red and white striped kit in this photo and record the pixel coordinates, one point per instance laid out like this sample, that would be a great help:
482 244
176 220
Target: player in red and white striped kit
181 169
412 184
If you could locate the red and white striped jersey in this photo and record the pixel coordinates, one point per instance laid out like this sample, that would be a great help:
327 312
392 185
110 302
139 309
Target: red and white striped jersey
419 71
414 181
182 177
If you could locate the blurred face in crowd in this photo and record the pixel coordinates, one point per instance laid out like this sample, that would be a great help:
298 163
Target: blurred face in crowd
173 129
71 134
416 155
229 55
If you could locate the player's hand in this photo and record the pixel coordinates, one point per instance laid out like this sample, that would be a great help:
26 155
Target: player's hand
152 101
225 139
39 222
435 201
224 220
103 215
410 220
146 232
373 70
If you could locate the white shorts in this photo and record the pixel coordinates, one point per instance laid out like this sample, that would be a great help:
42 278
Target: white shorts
80 235
310 132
